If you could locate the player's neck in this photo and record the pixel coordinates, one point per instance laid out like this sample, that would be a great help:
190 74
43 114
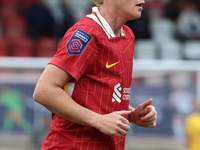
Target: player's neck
113 20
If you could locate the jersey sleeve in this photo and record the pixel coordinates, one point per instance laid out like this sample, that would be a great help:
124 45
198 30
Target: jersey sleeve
76 52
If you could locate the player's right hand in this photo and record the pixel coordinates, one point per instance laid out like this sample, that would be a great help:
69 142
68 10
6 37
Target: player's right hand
113 124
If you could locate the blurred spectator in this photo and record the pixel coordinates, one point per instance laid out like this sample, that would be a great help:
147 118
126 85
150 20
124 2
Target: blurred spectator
192 129
173 9
39 135
55 8
197 2
40 22
181 102
68 19
188 22
154 9
140 27
11 100
61 12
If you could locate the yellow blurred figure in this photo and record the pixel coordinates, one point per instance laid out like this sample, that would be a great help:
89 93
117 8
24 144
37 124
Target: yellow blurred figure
192 129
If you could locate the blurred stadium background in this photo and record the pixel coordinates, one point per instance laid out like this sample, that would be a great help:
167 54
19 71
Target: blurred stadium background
166 67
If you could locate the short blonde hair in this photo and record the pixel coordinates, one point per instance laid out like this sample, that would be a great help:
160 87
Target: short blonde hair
98 2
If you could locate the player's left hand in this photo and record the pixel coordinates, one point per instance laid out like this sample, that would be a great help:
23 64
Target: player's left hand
144 115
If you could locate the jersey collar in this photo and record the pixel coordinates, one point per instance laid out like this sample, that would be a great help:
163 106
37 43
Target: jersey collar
96 16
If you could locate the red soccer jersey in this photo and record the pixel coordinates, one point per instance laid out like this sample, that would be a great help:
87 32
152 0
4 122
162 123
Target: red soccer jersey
101 67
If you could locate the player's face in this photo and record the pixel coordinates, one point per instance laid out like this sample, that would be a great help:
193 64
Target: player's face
130 9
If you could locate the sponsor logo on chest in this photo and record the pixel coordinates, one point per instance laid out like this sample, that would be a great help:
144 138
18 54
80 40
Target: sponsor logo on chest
120 94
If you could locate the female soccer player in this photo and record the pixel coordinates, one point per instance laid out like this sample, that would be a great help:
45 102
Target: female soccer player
87 83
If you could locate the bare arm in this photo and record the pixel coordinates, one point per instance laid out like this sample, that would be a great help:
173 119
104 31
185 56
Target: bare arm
49 93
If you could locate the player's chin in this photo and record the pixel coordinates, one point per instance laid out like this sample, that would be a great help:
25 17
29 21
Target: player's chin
136 15
139 14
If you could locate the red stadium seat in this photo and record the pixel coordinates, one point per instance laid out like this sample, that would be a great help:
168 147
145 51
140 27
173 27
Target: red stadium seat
15 21
4 50
23 47
8 11
15 27
26 4
10 2
46 46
